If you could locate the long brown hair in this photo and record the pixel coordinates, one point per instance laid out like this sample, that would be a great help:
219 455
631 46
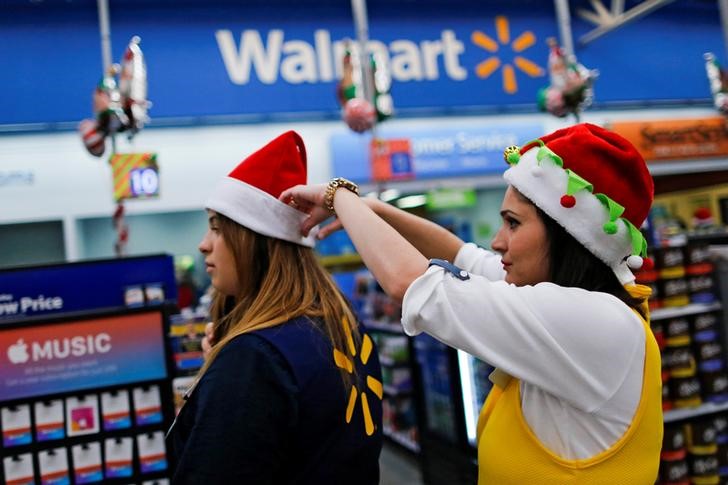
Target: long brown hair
279 281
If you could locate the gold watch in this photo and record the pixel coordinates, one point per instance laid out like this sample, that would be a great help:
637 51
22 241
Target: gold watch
333 186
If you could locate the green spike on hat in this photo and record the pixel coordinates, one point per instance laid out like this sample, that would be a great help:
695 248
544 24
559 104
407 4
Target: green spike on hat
615 210
574 184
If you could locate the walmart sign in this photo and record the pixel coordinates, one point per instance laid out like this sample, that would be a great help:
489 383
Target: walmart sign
230 59
296 61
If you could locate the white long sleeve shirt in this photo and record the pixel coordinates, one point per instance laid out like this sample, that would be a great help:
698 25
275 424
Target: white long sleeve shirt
579 355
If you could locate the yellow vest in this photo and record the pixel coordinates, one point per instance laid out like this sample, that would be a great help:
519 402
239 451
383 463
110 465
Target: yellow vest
509 452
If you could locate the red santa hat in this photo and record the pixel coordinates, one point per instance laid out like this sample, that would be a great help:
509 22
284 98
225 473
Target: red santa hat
249 194
595 184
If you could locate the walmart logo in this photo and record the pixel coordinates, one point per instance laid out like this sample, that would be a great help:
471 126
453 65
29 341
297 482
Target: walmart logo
272 57
345 362
490 65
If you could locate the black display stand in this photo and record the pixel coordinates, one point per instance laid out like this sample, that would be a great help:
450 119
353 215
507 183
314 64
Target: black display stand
446 457
107 375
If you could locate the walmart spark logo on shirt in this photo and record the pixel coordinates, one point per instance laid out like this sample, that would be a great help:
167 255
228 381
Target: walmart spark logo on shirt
346 362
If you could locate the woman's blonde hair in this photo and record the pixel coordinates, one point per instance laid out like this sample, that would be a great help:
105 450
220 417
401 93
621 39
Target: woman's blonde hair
279 281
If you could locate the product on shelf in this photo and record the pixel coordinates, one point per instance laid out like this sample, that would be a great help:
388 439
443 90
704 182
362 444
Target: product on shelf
700 436
399 420
673 462
186 331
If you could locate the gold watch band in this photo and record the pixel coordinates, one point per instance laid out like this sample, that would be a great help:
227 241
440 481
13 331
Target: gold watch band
333 186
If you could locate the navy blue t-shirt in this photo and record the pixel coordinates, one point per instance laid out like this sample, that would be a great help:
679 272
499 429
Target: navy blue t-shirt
272 409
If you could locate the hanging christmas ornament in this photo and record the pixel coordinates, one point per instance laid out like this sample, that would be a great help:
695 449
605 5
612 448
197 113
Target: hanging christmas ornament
571 84
118 107
359 113
718 79
133 87
122 230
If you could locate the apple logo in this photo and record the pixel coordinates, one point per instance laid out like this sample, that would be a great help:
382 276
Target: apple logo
18 353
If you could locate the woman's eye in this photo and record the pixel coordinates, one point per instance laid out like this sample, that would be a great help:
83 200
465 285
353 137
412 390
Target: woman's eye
512 223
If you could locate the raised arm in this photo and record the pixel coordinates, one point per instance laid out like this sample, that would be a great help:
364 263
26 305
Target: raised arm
393 260
429 238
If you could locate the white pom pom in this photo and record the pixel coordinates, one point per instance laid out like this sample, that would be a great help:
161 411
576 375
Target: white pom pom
634 262
536 171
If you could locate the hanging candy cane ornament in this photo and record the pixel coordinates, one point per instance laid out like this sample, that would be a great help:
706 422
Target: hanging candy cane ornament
122 230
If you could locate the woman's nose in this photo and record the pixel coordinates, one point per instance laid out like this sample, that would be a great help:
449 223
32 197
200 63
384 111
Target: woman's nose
204 247
498 244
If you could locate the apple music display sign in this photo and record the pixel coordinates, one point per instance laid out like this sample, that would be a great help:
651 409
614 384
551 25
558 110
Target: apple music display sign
49 358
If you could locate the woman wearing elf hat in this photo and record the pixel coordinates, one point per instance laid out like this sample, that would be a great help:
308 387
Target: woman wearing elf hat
577 390
291 389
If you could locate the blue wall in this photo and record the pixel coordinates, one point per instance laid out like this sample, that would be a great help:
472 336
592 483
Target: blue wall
51 56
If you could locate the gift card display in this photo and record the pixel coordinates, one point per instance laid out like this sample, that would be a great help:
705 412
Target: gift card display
54 467
118 457
49 423
147 405
82 415
152 454
16 425
19 470
87 463
115 410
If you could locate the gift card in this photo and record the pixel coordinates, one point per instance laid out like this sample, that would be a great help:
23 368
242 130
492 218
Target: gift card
147 405
154 293
19 470
87 463
49 423
133 296
118 457
54 467
16 425
82 415
115 410
152 454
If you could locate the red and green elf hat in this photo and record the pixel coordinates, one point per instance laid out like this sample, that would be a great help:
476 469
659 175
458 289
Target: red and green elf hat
595 184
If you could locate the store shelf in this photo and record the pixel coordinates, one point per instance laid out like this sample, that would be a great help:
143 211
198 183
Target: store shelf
713 236
693 308
389 327
402 439
680 414
395 391
352 259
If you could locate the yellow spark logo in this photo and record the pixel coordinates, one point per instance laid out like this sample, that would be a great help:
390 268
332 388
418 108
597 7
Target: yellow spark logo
344 362
521 43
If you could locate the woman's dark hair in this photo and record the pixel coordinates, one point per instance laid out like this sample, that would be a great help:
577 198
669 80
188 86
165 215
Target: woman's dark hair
572 264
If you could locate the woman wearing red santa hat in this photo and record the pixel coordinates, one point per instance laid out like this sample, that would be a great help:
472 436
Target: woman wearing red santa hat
577 387
291 389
